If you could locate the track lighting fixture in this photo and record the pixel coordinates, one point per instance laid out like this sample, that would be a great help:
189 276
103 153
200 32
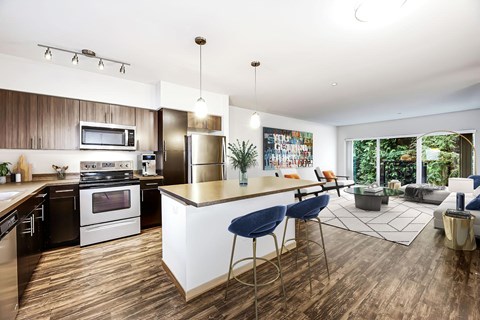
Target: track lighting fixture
255 118
85 53
48 54
75 59
200 105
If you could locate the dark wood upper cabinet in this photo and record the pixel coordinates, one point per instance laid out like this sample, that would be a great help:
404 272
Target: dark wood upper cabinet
172 129
58 120
94 112
18 124
208 124
106 113
146 122
122 115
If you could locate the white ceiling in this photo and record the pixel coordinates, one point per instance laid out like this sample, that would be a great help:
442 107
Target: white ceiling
424 60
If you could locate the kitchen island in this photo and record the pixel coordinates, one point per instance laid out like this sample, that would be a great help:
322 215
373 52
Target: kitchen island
196 242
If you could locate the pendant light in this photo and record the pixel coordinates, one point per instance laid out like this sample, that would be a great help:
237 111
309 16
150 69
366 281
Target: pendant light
200 105
255 118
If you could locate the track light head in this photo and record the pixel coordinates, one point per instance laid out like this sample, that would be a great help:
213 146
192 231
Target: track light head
122 69
101 66
48 54
75 59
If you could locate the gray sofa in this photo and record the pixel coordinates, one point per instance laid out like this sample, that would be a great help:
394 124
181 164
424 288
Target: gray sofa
450 203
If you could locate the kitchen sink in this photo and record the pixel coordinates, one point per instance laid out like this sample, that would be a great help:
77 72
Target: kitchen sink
8 195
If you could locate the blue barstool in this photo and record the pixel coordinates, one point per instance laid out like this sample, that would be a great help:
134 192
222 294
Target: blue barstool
307 210
255 225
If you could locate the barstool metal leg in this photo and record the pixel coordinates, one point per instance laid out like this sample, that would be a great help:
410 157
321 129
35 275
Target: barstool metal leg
230 267
323 246
255 274
280 267
284 234
297 232
308 255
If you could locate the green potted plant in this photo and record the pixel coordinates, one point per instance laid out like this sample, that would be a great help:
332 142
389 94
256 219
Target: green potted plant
243 156
4 171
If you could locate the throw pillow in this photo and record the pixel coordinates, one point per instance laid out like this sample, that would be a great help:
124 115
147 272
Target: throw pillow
474 204
329 175
476 192
476 180
292 176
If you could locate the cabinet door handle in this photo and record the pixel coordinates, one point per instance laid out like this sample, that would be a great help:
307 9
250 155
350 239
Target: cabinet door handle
31 143
63 191
106 117
43 211
39 143
33 224
141 192
74 203
151 184
111 116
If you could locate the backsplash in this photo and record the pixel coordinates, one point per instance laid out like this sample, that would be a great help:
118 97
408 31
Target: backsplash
42 160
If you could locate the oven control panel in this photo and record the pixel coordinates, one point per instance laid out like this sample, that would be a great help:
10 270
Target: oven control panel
105 165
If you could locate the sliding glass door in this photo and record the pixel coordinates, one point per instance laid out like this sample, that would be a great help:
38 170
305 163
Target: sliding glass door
442 156
446 156
365 161
398 160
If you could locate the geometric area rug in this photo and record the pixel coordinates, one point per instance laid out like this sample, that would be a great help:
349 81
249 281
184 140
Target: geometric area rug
400 221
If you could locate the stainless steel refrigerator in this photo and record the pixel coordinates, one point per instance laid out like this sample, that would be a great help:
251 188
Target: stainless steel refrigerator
206 158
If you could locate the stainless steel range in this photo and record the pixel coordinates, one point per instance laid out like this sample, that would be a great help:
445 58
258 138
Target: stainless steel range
109 201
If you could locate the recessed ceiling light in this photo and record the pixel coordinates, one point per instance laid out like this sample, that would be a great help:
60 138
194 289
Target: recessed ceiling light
377 10
334 84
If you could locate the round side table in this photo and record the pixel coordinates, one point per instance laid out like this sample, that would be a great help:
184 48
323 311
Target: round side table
459 233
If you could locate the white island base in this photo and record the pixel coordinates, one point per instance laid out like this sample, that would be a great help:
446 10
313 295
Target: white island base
197 244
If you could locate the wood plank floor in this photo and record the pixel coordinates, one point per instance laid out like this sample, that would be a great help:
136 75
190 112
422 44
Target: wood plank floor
370 279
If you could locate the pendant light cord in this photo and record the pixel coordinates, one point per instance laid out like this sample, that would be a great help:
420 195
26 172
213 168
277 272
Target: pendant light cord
200 71
256 102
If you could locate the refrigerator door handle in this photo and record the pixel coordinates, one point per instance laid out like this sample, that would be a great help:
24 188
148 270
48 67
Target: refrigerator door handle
164 151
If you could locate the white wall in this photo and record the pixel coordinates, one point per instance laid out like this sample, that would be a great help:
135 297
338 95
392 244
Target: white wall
324 140
47 78
178 97
42 160
455 121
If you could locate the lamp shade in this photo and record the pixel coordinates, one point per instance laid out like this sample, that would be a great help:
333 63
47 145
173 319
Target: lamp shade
464 185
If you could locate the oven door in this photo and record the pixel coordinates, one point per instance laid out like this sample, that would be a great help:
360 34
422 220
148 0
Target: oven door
104 204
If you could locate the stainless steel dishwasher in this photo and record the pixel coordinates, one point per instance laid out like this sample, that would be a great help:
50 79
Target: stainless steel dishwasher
8 267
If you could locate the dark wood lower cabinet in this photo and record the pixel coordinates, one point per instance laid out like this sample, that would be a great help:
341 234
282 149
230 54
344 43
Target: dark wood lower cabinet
151 205
63 219
30 233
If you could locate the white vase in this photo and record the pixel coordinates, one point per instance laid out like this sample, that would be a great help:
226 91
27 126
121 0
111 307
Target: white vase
3 179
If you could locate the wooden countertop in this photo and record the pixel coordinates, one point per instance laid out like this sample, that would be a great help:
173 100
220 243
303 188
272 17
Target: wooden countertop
26 189
215 192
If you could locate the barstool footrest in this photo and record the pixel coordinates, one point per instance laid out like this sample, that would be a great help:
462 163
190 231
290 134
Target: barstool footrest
258 284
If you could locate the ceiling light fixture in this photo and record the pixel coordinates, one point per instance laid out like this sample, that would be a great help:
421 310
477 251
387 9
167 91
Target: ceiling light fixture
85 53
200 105
75 59
334 84
376 10
255 118
48 54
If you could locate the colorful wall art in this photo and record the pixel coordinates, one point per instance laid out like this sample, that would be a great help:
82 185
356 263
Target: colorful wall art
287 149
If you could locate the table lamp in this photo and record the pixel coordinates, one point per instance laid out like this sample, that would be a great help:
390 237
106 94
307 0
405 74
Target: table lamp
460 186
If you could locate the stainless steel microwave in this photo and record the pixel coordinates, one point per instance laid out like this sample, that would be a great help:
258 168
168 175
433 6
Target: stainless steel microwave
105 136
